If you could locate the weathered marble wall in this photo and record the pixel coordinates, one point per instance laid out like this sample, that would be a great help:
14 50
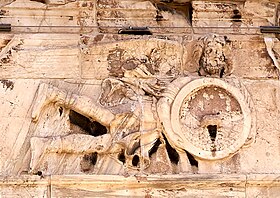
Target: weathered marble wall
73 47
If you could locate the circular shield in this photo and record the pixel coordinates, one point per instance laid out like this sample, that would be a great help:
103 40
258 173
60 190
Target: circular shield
209 118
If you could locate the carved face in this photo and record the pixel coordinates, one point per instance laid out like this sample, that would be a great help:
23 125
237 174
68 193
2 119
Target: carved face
213 58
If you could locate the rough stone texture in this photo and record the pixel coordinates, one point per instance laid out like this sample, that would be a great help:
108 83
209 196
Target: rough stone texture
25 186
37 56
183 105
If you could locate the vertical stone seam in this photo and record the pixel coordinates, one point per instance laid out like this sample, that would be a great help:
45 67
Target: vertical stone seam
49 187
95 15
278 97
80 57
182 54
277 15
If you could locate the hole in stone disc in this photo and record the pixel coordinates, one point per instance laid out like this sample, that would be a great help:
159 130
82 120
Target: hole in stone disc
212 129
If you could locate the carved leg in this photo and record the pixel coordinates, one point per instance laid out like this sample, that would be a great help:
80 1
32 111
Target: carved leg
184 163
90 109
47 94
147 142
74 143
38 149
144 142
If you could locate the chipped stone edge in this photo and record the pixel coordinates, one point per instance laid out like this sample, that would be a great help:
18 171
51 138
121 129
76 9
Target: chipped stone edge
188 180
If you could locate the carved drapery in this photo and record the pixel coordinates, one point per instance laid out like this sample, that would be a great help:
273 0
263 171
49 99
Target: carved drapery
148 121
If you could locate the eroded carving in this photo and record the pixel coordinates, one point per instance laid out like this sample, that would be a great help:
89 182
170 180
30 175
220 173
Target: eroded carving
207 117
152 121
6 53
269 42
210 56
7 84
128 131
213 60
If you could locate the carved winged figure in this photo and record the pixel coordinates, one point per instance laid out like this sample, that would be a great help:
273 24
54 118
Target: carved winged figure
133 132
133 105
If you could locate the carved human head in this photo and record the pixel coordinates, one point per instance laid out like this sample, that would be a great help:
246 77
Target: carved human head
213 58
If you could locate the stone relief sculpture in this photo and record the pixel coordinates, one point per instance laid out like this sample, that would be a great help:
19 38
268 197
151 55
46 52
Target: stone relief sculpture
269 43
210 56
83 105
213 60
208 117
6 53
152 123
